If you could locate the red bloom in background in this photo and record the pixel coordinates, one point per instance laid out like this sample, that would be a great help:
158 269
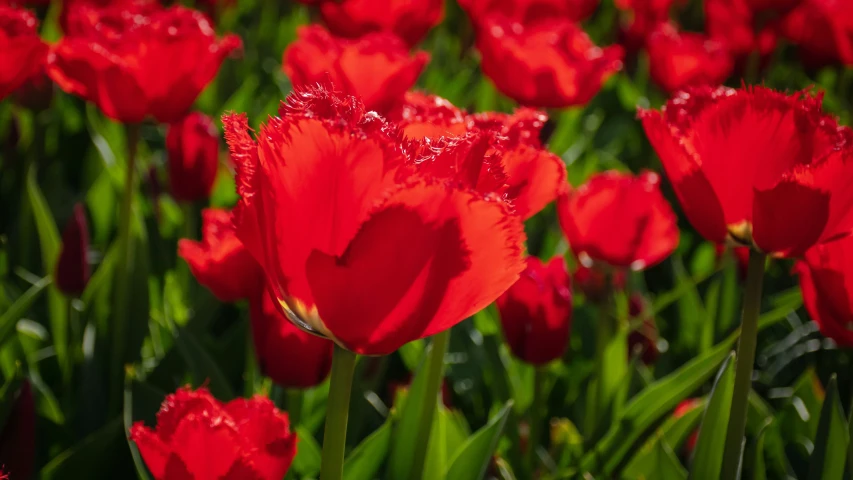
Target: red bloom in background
198 437
619 219
72 266
74 11
596 282
134 64
192 145
536 312
219 261
548 64
529 11
826 278
681 59
644 17
22 52
383 255
756 166
823 30
743 26
531 175
682 409
407 19
376 67
643 340
17 437
288 355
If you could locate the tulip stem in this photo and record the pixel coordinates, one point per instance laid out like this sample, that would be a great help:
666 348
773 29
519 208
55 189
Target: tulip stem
337 411
535 420
120 312
434 377
745 360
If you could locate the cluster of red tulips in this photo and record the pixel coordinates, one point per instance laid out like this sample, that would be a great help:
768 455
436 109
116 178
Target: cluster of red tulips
372 214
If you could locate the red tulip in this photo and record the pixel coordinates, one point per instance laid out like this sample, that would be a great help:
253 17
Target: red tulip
823 30
756 166
134 64
198 437
72 266
682 409
529 11
644 17
619 219
72 10
407 19
288 355
536 312
826 279
743 26
193 147
644 339
17 438
358 245
531 176
550 64
219 261
22 52
681 59
376 67
597 282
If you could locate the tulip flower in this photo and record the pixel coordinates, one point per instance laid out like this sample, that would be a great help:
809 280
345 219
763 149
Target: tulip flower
72 266
377 67
826 279
407 19
550 63
220 261
682 59
682 409
735 23
192 145
823 30
536 312
134 63
597 283
643 18
22 52
17 436
198 437
792 162
619 219
287 354
529 11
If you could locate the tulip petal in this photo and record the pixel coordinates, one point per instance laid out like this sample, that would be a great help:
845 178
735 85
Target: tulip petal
535 177
151 447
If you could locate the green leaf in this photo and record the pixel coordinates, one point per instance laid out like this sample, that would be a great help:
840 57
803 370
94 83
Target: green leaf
202 366
367 458
708 455
759 469
49 242
308 454
659 462
673 432
473 457
832 440
92 457
449 433
412 353
406 427
18 309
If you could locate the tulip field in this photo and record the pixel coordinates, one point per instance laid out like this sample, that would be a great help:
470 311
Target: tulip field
426 239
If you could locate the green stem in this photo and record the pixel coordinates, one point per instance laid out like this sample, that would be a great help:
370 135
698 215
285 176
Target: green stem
435 375
745 360
536 418
125 249
337 411
294 406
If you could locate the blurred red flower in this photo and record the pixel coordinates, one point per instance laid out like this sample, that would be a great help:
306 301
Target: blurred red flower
407 19
288 355
377 67
192 145
743 26
826 279
793 164
72 266
682 409
74 11
528 11
18 434
536 311
531 175
550 64
823 30
643 339
22 52
619 219
598 281
199 437
219 261
359 246
134 64
681 59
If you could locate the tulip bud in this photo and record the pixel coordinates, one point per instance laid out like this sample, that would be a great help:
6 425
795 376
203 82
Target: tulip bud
72 268
193 148
17 438
536 312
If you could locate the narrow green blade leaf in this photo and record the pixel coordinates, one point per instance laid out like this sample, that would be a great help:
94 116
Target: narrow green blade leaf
93 457
832 440
473 458
367 458
405 428
18 309
708 455
308 454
